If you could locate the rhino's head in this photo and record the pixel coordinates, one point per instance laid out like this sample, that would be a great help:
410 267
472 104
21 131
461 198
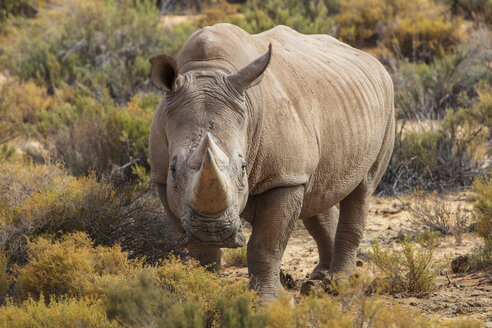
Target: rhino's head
203 123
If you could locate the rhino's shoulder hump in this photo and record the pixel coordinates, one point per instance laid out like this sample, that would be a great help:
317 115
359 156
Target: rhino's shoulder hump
223 42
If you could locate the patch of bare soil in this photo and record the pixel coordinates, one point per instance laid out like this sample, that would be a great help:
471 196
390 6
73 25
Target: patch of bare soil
462 294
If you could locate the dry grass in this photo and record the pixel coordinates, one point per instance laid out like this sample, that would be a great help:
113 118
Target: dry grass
235 256
436 213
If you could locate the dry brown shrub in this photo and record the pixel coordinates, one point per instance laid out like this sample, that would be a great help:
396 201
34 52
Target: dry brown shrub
437 213
44 199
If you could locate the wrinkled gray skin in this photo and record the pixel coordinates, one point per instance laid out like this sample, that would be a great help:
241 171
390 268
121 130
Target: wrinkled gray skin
270 137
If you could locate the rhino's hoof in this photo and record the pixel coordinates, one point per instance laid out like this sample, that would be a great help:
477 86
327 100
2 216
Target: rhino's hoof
318 275
312 286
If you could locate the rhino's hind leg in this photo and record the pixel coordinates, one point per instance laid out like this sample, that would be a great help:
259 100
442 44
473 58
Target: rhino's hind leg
322 228
353 213
276 213
209 257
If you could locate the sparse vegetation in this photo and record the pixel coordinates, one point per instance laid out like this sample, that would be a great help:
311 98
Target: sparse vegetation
482 255
235 256
437 214
429 238
483 207
408 270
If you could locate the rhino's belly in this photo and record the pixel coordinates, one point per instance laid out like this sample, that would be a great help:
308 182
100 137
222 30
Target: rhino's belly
329 186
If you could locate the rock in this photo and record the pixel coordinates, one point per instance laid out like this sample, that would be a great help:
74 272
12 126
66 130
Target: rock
400 236
460 264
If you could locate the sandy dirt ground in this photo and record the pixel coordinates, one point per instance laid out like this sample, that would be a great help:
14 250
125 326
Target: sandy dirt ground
389 219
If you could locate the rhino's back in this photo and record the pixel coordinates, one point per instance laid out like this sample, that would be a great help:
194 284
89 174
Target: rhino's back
325 105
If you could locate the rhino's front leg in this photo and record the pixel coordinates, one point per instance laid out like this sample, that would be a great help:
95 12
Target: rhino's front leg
276 213
209 257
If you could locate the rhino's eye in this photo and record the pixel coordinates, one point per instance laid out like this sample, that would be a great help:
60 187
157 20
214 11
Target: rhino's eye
243 167
172 168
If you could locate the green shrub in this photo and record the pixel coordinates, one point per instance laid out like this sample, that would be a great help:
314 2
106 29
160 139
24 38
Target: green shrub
97 135
139 302
98 46
4 279
310 17
65 312
425 91
240 313
446 154
70 266
235 256
428 238
481 256
189 281
483 207
408 271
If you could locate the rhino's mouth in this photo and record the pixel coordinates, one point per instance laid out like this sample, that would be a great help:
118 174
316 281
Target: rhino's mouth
206 232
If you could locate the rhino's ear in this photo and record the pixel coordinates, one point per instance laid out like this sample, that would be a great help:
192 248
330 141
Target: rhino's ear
251 74
164 72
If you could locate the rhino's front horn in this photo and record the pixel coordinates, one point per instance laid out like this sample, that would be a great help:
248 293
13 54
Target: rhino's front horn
211 194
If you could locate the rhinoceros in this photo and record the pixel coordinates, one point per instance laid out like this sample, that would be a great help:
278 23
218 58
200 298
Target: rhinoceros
271 128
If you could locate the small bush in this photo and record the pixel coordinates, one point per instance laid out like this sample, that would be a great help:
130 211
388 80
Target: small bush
481 256
241 314
96 135
235 256
483 207
408 271
139 302
428 238
70 266
437 214
65 312
189 281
